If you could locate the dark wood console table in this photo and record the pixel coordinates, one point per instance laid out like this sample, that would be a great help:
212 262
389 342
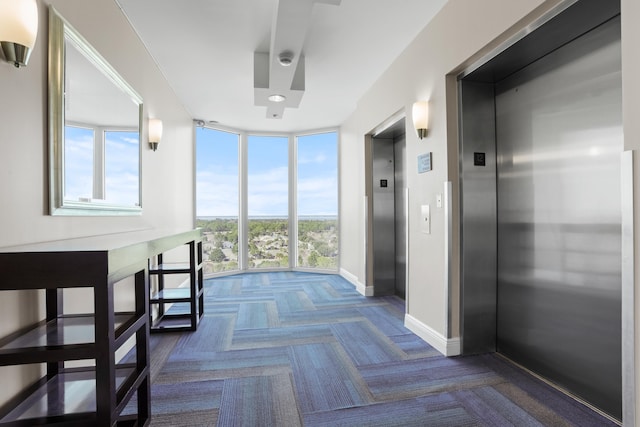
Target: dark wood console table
96 395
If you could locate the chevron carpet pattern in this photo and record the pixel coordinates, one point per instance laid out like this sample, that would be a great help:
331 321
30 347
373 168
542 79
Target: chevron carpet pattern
302 349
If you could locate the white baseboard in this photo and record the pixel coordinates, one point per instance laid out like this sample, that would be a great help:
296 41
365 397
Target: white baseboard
446 346
361 288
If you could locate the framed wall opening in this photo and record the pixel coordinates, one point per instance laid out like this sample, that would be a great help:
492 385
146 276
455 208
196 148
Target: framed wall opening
521 142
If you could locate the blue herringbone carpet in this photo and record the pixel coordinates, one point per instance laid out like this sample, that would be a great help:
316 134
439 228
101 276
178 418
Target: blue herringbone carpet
293 349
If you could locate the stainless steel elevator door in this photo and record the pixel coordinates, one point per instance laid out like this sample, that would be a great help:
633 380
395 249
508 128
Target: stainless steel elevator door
384 254
559 139
399 155
389 234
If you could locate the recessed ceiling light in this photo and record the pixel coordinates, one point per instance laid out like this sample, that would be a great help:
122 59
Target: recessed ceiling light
277 98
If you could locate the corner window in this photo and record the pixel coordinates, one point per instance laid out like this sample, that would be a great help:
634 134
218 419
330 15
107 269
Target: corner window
267 202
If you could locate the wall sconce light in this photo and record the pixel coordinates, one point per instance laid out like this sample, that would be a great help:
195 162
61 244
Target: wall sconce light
155 133
18 29
421 118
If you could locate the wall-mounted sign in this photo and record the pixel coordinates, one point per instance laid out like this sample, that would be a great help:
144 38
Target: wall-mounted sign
479 159
424 163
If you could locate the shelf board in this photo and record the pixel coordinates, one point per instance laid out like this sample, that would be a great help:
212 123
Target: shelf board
178 309
69 337
177 268
168 295
69 395
171 322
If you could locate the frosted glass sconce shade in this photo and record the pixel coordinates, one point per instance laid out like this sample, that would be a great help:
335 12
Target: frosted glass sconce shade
155 133
18 29
421 118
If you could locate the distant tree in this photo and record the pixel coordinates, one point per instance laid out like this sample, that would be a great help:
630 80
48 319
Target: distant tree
253 249
326 262
313 259
204 225
266 264
233 265
323 249
217 255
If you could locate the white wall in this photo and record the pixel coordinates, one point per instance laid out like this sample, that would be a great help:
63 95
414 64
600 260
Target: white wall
167 174
463 31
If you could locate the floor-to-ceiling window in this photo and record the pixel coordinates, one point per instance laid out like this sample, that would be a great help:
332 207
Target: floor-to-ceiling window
317 197
267 202
218 197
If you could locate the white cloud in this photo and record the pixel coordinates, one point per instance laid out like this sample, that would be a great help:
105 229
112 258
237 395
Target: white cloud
318 196
268 192
122 189
217 194
134 141
305 159
78 167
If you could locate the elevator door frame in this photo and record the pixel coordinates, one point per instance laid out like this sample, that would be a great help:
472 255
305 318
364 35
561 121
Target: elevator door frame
563 23
392 128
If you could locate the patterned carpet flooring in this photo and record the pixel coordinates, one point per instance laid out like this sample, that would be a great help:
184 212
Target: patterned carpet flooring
294 349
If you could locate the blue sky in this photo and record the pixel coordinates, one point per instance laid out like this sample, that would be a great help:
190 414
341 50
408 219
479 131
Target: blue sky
217 174
122 165
78 163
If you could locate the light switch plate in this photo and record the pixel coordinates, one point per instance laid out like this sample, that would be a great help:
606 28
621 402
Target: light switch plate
439 200
425 219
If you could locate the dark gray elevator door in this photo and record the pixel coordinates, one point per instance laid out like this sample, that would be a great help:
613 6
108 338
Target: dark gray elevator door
559 139
389 210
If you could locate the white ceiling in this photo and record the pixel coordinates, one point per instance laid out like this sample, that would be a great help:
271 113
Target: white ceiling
205 49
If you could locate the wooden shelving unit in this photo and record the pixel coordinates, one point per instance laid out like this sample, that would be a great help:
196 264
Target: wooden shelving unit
96 395
178 309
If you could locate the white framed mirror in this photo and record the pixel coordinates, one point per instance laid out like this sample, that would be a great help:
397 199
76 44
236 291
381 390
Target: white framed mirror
95 122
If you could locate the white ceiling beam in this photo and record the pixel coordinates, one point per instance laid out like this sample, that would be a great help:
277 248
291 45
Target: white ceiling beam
291 22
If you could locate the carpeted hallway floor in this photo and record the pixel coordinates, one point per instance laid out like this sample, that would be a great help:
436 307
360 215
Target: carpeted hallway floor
293 349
